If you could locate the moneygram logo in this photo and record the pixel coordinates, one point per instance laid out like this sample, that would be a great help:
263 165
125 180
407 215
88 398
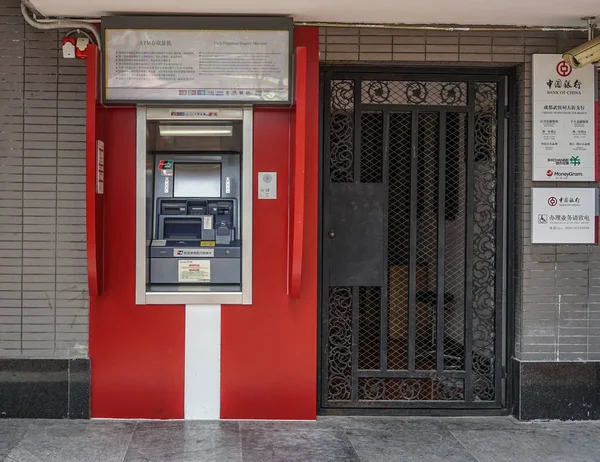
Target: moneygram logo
567 174
574 160
549 173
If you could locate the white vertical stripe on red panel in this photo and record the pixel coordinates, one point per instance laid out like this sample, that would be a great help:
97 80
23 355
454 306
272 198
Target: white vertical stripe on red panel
202 362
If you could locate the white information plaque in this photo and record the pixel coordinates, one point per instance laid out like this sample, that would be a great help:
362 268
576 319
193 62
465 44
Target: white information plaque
247 66
564 216
193 270
564 121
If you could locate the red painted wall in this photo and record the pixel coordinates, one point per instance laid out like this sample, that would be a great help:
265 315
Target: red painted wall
136 352
269 349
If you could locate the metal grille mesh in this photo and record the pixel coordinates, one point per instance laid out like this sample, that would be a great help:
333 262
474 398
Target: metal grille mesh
369 315
371 147
454 245
398 239
414 93
414 145
427 222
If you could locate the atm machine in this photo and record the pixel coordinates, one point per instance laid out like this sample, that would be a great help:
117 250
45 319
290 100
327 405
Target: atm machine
194 194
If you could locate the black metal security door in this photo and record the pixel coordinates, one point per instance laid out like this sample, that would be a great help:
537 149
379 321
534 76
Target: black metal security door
413 239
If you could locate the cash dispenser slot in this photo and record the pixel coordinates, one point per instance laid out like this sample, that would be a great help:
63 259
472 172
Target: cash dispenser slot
197 208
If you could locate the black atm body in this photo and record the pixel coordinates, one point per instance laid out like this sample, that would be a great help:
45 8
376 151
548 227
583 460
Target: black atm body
196 236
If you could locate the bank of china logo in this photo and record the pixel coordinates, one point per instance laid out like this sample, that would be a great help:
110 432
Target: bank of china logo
563 69
574 160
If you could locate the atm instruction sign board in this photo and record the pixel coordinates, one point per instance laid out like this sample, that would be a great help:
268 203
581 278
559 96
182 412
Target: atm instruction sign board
196 60
564 121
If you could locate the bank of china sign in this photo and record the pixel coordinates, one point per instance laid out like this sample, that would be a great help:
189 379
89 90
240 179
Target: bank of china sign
564 122
564 216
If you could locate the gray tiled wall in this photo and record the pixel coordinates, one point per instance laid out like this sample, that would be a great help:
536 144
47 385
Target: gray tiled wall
558 287
43 282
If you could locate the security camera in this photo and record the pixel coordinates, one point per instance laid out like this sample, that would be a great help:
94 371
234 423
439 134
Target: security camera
584 54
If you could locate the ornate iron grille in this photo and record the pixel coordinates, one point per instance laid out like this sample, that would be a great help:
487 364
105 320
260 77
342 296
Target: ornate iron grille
412 205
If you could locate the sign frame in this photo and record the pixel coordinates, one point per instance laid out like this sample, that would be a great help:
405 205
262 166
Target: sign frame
564 206
199 23
549 87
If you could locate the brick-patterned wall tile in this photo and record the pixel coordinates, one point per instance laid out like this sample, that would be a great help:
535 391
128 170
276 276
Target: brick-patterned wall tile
43 289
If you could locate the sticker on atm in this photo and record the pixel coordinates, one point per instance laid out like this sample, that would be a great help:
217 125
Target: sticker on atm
207 243
193 271
193 252
166 167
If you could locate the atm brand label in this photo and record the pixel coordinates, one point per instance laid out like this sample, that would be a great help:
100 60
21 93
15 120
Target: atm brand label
194 113
193 252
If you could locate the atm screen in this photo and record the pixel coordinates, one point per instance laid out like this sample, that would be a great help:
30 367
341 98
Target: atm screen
177 228
197 180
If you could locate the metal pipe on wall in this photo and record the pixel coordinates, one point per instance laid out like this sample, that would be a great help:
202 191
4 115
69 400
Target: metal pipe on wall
335 24
441 27
60 24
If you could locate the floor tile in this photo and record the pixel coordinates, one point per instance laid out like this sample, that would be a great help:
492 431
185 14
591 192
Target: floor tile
533 444
386 423
330 439
185 441
11 432
584 436
296 445
408 446
74 441
480 423
290 425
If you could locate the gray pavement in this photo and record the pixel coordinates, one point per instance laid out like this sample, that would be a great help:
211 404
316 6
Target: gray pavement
464 439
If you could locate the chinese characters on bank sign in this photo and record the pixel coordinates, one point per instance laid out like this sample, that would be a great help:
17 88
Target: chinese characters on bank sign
564 121
564 216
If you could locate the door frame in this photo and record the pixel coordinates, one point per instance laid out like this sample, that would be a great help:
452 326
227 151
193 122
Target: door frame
509 188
